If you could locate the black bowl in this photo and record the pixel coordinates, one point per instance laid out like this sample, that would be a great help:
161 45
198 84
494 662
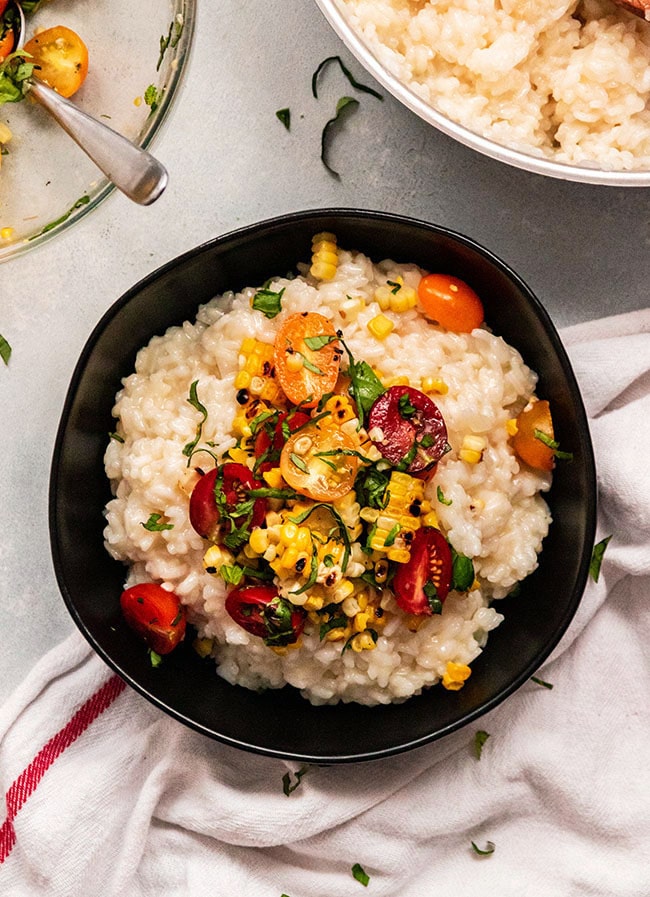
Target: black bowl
279 722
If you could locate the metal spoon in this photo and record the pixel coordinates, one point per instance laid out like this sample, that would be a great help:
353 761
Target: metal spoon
133 170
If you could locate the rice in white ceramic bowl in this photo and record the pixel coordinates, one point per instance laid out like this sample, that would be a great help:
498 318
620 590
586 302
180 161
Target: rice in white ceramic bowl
565 80
495 514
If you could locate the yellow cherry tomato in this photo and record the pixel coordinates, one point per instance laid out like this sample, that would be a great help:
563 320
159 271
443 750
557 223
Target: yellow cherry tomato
60 59
450 302
526 444
320 462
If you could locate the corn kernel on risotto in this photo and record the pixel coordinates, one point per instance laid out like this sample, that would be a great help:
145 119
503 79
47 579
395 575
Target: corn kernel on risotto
491 511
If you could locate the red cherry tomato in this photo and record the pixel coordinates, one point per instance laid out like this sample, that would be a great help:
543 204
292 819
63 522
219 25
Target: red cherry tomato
3 5
262 612
236 481
410 431
6 41
155 614
430 565
271 448
451 302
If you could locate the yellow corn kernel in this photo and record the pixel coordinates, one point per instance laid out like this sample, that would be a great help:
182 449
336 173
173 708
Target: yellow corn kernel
430 519
322 270
324 236
295 362
273 478
434 384
397 381
455 675
383 296
247 346
243 380
475 585
215 557
284 649
362 600
380 326
403 300
238 455
259 540
340 408
336 635
400 555
362 642
303 539
349 310
325 256
289 557
474 443
202 646
414 622
469 456
360 622
343 590
6 233
323 245
314 603
271 392
288 533
511 427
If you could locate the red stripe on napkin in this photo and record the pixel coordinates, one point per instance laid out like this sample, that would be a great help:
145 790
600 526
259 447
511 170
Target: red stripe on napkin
29 778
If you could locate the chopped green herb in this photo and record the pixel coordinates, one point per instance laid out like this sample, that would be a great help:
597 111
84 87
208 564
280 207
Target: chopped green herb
298 462
597 558
172 38
323 65
153 524
370 487
313 573
257 422
328 560
343 104
409 457
268 302
310 365
116 437
193 400
431 592
441 497
396 286
488 851
371 632
155 659
231 574
153 97
406 407
365 385
334 623
360 875
5 349
390 538
553 445
268 492
426 441
319 341
82 201
342 528
287 785
284 115
479 740
15 75
541 682
462 571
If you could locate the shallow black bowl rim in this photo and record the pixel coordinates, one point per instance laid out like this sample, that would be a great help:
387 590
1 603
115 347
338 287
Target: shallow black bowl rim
246 232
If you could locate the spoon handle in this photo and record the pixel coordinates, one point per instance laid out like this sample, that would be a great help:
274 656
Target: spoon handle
133 170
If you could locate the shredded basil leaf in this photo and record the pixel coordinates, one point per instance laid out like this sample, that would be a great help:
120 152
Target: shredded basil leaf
541 682
320 341
310 365
82 201
268 492
396 286
116 437
348 644
171 40
431 593
343 104
346 72
479 740
153 97
597 558
155 659
390 538
462 571
370 487
406 407
488 851
153 524
342 528
5 350
284 115
553 445
360 875
441 497
15 75
297 461
231 574
335 623
193 400
287 786
365 385
268 302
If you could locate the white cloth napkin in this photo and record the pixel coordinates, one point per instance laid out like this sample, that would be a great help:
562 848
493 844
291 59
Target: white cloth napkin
107 796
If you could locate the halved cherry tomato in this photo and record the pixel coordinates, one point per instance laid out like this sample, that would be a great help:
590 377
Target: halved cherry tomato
60 58
3 5
269 448
6 42
319 461
155 614
306 373
451 302
236 481
529 447
262 612
409 429
430 566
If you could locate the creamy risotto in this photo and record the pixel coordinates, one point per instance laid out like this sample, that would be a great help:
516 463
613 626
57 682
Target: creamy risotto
328 483
562 79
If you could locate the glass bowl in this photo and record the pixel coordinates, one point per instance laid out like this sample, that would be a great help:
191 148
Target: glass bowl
588 173
47 183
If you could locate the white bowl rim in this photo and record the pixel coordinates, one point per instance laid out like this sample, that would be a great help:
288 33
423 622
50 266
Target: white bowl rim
516 158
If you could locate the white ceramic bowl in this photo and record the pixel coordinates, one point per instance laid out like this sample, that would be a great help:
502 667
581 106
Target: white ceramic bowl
588 174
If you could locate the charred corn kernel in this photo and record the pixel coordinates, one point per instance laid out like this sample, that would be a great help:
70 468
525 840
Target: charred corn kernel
243 380
434 384
259 540
256 385
343 590
238 455
362 642
273 478
340 408
400 555
455 675
380 326
381 571
430 519
202 646
294 362
360 622
215 557
303 539
288 533
350 606
511 427
477 504
336 635
325 257
6 233
369 514
313 603
406 496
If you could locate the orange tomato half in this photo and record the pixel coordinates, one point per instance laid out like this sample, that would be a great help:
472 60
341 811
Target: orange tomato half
450 302
526 444
6 44
60 58
307 358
